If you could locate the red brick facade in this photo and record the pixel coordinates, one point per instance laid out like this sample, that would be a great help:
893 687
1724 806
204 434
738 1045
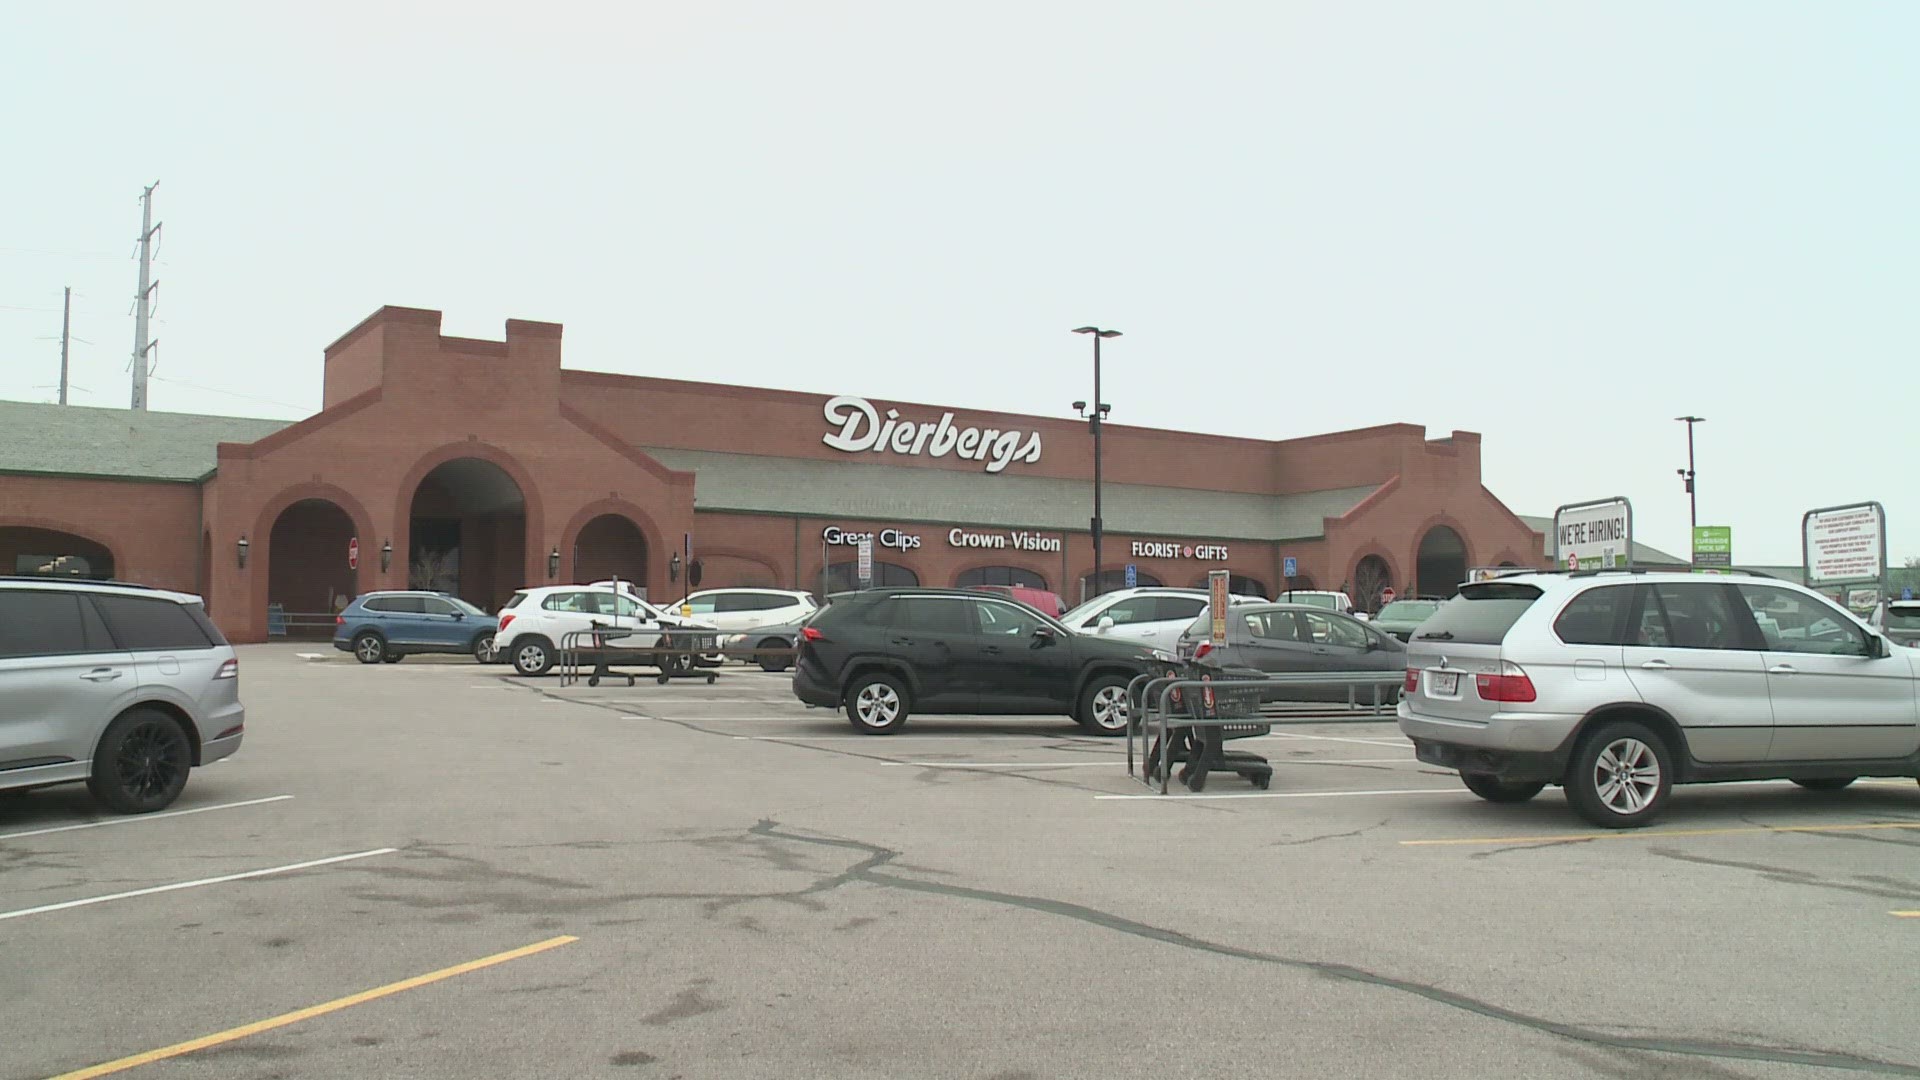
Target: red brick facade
537 457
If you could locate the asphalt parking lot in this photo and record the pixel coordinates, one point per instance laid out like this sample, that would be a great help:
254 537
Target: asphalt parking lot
437 870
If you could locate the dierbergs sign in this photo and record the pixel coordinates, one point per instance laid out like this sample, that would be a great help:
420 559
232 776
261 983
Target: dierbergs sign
861 428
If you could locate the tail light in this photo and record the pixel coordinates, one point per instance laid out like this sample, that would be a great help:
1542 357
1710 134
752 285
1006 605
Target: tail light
1511 684
339 620
229 670
505 621
1413 681
1202 649
812 633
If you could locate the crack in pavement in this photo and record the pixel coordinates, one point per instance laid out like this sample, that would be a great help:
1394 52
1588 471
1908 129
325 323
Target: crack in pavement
1789 876
868 870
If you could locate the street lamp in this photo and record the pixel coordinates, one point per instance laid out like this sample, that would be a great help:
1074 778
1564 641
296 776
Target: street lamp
1094 419
1686 476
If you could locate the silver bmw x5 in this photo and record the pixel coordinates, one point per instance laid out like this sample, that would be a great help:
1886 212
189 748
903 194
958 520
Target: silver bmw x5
1616 685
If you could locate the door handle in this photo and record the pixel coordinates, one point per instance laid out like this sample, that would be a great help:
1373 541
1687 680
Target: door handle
1657 665
900 641
101 675
991 650
1781 669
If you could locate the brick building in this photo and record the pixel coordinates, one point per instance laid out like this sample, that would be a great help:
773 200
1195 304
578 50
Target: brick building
483 466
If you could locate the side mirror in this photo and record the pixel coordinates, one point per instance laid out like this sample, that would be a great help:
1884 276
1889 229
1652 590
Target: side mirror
1877 647
1044 637
459 616
1106 623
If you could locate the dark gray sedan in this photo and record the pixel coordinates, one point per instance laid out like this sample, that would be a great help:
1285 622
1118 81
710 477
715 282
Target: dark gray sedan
772 647
1273 639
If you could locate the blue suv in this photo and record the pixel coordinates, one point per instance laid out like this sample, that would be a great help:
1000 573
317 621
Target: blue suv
384 627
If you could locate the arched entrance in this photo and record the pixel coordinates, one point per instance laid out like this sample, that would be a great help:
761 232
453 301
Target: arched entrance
1441 564
52 553
610 546
467 532
1371 577
845 576
307 571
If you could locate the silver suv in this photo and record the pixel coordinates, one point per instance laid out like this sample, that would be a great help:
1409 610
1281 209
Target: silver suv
1617 685
121 686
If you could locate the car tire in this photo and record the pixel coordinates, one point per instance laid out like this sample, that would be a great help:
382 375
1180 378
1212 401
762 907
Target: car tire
1826 783
533 656
672 663
1495 790
774 663
877 704
1620 775
483 649
369 647
141 763
1103 706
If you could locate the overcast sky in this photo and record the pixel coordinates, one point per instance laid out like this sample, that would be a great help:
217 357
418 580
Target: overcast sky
1557 224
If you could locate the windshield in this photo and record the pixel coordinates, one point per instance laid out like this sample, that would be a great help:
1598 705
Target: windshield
1320 600
464 606
1903 617
1409 610
1481 615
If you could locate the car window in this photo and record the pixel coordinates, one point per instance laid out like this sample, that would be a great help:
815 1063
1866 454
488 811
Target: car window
1797 623
1698 616
702 605
47 624
1903 618
726 602
1172 608
1005 620
931 614
142 625
462 605
433 605
1349 635
1596 617
1269 626
1480 614
575 602
381 604
1130 612
513 601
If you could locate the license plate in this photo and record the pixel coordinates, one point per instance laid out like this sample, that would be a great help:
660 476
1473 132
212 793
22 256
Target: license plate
1445 683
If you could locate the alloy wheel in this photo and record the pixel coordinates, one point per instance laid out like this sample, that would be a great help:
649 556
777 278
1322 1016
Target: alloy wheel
152 759
1626 776
1110 707
370 650
877 704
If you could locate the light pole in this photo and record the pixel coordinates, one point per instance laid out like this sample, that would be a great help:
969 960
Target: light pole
1100 410
1686 475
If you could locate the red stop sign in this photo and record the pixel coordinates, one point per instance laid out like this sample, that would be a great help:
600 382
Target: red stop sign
1386 594
353 553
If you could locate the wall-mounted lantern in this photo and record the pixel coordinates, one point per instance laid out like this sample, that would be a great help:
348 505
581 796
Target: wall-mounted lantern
241 550
553 564
386 554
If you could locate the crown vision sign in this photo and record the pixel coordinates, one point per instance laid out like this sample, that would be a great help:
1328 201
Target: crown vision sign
862 427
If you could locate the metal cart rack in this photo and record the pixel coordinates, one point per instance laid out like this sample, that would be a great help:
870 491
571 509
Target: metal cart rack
597 648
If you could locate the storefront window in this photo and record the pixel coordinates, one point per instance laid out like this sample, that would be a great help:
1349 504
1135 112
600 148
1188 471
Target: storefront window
845 576
1238 585
1109 580
1000 575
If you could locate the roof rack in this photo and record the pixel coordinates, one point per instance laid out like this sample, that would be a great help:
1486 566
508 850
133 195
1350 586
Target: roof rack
1731 570
76 579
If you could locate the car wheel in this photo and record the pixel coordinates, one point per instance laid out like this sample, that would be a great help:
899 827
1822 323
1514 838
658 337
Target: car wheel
1620 775
1103 706
1494 789
369 648
533 656
672 663
483 649
1826 783
141 763
877 704
774 663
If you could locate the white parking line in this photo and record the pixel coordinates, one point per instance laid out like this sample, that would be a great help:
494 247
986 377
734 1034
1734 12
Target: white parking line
1290 794
138 818
23 912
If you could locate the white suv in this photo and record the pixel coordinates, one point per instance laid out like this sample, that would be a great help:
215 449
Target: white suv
1152 615
122 686
535 623
736 610
1616 685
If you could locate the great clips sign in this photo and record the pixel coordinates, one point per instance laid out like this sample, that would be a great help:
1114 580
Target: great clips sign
861 427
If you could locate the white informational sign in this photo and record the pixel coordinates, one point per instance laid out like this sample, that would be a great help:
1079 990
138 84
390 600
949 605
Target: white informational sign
866 562
1000 541
1593 536
1846 543
860 428
1174 549
835 536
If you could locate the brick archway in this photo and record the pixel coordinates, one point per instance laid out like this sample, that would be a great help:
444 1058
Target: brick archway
658 551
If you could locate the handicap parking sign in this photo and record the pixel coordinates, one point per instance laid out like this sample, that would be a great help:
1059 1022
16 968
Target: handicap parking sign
1906 592
1290 567
1133 576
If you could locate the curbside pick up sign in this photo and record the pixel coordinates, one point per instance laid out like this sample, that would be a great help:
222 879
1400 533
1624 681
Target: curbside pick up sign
1593 536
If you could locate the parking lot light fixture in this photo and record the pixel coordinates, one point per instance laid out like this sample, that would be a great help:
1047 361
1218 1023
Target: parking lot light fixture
1687 477
1094 420
240 550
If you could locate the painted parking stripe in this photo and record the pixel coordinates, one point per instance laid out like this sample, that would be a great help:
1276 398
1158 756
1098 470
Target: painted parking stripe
1905 914
178 885
1655 834
1110 764
337 1004
136 819
1287 794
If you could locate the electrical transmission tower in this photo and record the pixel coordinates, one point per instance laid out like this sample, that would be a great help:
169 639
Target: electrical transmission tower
143 300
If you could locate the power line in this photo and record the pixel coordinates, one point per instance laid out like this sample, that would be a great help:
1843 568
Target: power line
228 393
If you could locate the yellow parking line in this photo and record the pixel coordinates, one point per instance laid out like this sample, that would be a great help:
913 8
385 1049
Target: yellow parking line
284 1019
1644 834
1905 914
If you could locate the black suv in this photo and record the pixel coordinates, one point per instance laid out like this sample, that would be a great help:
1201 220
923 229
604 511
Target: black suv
886 652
